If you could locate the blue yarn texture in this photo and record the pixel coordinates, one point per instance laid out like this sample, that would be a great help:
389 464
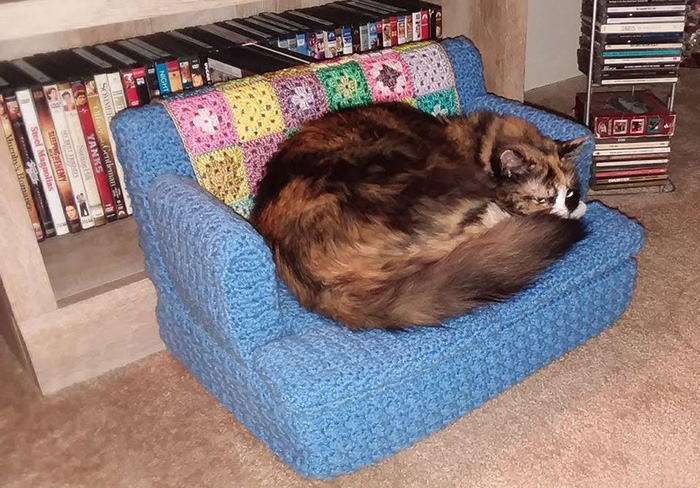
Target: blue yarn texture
327 400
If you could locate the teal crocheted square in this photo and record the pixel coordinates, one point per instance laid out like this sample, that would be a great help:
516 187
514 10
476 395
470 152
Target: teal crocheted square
442 103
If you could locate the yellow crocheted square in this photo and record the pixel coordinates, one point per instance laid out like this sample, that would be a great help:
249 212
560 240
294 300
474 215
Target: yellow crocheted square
222 173
256 111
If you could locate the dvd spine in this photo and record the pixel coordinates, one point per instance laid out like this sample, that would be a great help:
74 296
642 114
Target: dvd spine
18 164
116 95
53 149
66 152
41 156
102 133
91 198
130 91
141 82
30 166
174 77
94 150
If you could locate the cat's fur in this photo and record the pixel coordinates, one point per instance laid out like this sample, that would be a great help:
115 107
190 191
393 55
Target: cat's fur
387 217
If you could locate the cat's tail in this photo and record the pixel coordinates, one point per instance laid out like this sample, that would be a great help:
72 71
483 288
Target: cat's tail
491 267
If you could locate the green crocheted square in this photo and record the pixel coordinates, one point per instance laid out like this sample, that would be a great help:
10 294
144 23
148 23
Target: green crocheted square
244 206
442 103
345 86
290 132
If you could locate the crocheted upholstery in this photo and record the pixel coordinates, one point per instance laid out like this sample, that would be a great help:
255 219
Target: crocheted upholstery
324 399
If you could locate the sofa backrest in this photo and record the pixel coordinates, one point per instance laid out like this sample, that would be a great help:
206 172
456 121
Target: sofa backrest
232 129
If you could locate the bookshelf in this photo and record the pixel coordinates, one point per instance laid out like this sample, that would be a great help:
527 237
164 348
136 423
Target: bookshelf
76 306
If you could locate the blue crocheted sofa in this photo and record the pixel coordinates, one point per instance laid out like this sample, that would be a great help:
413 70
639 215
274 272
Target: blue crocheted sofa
327 400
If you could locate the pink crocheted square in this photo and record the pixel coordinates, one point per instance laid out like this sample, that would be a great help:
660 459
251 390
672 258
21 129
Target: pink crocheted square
388 76
205 122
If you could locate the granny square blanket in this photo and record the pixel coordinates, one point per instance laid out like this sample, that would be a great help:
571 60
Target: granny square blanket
230 130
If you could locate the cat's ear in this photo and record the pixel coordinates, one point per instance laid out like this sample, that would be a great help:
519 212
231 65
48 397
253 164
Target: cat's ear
512 163
565 148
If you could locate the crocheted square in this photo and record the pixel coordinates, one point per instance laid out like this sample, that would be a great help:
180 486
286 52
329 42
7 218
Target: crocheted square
187 93
222 173
256 111
243 207
413 46
442 103
301 98
430 69
204 121
345 86
388 77
257 154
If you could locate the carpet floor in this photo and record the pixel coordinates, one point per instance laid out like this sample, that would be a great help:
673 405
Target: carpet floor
622 410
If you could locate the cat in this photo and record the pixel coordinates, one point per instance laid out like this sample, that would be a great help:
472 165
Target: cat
384 216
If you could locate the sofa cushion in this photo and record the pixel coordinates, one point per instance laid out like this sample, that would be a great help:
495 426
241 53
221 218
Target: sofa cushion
321 366
232 129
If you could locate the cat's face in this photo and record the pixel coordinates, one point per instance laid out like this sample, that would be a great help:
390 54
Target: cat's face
539 178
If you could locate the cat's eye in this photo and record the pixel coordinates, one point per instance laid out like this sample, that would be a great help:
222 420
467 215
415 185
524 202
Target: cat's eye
570 194
541 201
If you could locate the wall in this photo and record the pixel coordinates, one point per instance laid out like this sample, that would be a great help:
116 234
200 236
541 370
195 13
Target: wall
553 28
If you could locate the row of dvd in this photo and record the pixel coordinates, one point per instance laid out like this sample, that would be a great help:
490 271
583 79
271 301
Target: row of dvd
56 108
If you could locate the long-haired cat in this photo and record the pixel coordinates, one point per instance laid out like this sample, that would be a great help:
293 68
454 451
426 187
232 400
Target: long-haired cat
387 217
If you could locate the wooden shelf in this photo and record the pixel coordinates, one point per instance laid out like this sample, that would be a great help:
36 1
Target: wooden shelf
51 16
93 261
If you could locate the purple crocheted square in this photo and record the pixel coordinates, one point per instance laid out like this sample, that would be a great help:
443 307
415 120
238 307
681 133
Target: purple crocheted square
301 97
430 69
256 155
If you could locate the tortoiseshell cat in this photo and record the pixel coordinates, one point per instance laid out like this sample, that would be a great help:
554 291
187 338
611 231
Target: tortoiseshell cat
387 217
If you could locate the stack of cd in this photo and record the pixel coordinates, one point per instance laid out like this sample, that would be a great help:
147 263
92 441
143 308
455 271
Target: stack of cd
635 41
632 139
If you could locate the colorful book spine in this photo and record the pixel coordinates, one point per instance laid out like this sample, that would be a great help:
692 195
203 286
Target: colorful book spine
91 198
42 158
18 164
94 150
30 166
102 133
66 153
115 94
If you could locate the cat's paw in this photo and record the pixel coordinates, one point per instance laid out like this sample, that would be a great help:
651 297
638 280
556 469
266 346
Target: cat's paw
579 211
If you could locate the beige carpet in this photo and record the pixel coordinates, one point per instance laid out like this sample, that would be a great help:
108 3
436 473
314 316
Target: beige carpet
623 410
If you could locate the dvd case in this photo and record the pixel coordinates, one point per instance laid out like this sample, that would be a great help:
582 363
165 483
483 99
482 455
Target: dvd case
68 157
102 136
19 166
41 156
91 197
30 167
94 150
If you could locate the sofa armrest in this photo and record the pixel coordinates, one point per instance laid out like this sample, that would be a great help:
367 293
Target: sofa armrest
552 126
219 266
